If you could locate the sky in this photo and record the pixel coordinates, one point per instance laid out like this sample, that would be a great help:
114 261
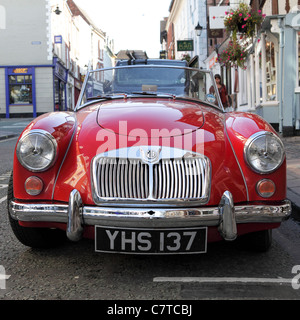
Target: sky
133 24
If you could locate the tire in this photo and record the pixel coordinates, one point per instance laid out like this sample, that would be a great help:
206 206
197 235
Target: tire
260 241
41 238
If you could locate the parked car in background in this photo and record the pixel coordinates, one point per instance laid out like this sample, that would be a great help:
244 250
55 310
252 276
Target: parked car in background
148 163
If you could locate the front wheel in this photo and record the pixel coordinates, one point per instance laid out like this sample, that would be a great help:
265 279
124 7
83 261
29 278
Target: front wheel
33 237
259 241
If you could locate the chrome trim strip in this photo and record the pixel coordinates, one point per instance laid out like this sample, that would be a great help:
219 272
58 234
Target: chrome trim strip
66 153
238 163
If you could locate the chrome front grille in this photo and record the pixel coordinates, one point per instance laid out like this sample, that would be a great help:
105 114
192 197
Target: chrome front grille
183 178
122 178
179 179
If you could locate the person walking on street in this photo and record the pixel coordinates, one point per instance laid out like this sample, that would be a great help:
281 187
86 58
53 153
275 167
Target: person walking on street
222 91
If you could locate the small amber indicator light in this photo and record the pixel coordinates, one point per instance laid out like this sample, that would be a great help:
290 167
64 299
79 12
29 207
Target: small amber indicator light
266 188
33 185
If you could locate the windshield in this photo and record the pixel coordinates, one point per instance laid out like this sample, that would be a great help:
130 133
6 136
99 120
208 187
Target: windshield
148 80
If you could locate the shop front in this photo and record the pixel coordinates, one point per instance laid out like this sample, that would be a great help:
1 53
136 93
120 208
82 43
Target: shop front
276 72
60 86
20 91
78 85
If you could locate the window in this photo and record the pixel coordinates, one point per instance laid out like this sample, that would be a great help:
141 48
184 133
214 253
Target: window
271 71
20 89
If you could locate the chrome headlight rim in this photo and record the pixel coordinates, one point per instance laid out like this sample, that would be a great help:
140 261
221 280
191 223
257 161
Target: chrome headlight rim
42 133
252 139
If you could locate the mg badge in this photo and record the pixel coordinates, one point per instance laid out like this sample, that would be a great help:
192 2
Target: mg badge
150 155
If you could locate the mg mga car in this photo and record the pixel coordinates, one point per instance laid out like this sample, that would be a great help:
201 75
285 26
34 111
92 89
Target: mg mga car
148 163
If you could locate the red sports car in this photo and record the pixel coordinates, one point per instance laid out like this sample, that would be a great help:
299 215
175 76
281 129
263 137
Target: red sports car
148 163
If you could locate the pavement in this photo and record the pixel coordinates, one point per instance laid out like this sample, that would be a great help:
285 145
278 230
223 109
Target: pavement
292 150
13 127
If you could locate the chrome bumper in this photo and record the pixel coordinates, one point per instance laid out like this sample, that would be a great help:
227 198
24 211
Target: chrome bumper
226 216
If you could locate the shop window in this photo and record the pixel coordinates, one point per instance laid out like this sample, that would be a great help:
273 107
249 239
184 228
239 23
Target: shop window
271 71
20 89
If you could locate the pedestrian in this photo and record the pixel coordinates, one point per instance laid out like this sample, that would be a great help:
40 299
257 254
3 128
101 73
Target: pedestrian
222 91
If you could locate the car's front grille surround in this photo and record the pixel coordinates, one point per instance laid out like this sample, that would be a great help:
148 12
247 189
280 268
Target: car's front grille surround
183 179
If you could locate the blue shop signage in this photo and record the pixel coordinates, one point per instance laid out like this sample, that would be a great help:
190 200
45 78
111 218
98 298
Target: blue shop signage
60 71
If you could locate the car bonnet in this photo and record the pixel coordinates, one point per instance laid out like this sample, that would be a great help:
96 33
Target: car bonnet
150 117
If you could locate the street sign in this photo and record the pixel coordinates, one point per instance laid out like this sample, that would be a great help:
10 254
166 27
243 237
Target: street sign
57 39
185 45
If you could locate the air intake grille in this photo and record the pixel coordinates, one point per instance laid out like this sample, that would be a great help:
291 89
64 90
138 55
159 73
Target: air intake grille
122 178
179 179
166 181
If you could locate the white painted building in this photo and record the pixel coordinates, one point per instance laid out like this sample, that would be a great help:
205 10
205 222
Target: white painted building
45 49
183 19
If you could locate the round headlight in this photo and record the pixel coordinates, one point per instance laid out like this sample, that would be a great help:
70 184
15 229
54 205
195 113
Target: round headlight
264 152
36 150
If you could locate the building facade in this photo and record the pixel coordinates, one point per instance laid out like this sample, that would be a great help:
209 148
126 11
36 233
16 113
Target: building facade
270 85
42 61
276 58
180 39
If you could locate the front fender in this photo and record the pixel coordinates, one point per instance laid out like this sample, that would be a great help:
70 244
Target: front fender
240 127
61 126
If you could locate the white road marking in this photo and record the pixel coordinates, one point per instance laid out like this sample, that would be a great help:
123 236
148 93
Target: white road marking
222 279
16 125
3 199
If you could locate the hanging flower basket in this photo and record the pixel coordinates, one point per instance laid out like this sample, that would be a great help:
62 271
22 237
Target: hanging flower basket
233 56
243 20
186 57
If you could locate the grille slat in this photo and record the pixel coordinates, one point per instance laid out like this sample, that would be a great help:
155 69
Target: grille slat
175 179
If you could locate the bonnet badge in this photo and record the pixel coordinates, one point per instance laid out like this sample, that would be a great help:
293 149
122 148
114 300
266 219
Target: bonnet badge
150 155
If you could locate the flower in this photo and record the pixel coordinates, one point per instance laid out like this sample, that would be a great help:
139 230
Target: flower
243 20
186 57
233 56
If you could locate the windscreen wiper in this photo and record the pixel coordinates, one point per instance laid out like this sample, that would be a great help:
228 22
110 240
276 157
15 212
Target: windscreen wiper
155 94
107 96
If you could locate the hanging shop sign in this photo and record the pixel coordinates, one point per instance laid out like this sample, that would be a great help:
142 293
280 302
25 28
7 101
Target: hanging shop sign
185 45
216 16
60 71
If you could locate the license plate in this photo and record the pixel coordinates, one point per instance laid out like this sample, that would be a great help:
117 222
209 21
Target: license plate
150 241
